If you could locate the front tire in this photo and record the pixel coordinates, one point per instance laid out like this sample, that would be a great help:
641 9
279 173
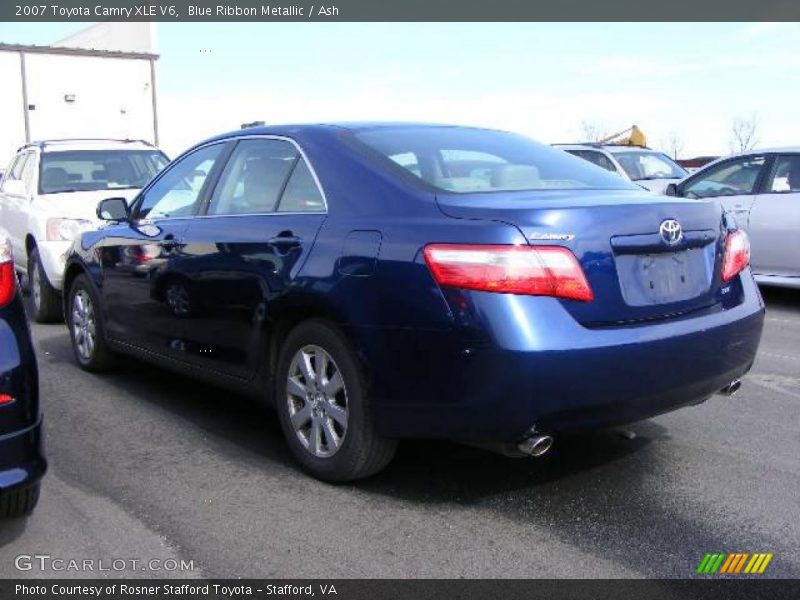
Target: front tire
19 503
86 329
324 412
45 299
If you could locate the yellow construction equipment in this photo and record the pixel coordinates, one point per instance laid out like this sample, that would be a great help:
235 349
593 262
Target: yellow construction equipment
634 137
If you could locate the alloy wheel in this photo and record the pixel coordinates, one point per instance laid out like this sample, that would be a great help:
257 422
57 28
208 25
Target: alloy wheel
317 401
84 329
36 287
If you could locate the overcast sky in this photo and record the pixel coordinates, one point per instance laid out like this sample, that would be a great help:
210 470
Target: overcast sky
536 78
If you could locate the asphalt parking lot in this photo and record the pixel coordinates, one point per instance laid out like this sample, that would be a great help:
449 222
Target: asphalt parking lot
147 465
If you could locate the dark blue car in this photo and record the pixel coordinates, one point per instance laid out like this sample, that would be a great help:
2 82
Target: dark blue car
22 463
385 281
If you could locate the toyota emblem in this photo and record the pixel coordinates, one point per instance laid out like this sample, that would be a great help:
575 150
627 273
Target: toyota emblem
671 232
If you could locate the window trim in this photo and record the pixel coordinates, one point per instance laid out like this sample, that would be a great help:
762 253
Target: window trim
203 212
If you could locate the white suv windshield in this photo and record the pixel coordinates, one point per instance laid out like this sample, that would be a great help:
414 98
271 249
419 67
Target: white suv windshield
89 170
649 165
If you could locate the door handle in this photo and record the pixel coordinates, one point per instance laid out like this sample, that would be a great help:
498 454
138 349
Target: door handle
285 239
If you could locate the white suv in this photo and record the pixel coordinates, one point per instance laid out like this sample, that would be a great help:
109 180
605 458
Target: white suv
49 193
650 169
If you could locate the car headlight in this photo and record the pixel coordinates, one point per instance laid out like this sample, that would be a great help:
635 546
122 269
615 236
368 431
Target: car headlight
65 230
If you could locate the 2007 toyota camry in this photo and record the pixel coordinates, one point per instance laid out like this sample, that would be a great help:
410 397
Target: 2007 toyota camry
386 281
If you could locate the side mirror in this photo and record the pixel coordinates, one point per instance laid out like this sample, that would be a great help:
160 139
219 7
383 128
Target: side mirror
113 209
15 187
672 190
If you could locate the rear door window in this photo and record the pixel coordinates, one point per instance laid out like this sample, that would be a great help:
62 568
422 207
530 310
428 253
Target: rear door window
254 178
302 193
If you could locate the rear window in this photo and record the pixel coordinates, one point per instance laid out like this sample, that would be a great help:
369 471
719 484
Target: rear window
463 160
89 170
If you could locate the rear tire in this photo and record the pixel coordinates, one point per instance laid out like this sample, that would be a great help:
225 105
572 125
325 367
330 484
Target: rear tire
86 329
45 299
326 416
19 503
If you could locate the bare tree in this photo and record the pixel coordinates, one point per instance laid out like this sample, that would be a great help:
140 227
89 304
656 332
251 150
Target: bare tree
593 131
673 144
743 133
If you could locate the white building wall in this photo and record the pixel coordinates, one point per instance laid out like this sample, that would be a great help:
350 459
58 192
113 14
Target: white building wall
112 97
12 127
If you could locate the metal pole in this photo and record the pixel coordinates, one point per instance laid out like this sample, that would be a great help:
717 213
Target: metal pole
155 105
25 115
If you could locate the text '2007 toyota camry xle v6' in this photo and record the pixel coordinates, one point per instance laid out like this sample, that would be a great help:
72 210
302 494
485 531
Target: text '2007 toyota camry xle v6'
385 281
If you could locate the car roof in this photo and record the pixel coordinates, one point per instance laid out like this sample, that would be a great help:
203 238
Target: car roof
753 152
311 128
61 145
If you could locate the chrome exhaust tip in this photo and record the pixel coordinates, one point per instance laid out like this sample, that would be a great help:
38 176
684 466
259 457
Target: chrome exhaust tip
536 445
730 389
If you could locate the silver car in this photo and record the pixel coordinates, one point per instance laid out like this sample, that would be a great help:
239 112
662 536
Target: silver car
761 188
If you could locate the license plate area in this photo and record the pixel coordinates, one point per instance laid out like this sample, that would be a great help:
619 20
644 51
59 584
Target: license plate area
663 278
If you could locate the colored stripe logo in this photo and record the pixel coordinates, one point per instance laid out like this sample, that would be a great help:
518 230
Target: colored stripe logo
736 563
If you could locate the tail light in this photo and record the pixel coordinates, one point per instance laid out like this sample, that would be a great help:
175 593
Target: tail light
737 254
8 279
528 270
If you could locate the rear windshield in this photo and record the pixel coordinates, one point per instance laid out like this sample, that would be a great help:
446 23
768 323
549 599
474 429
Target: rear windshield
460 159
89 170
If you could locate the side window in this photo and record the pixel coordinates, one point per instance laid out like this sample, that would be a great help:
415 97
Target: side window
27 171
598 158
785 176
731 178
254 178
302 193
15 169
176 193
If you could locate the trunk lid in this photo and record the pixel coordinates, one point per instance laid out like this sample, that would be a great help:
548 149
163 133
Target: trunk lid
636 275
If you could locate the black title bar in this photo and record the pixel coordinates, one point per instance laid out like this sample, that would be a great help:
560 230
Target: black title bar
387 589
399 10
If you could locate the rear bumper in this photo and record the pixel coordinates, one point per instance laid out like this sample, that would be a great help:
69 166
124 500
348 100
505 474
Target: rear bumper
535 366
22 461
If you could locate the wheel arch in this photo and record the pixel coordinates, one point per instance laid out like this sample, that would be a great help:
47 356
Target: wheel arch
30 244
70 273
293 314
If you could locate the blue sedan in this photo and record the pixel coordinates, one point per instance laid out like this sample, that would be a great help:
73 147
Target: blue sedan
375 282
22 462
